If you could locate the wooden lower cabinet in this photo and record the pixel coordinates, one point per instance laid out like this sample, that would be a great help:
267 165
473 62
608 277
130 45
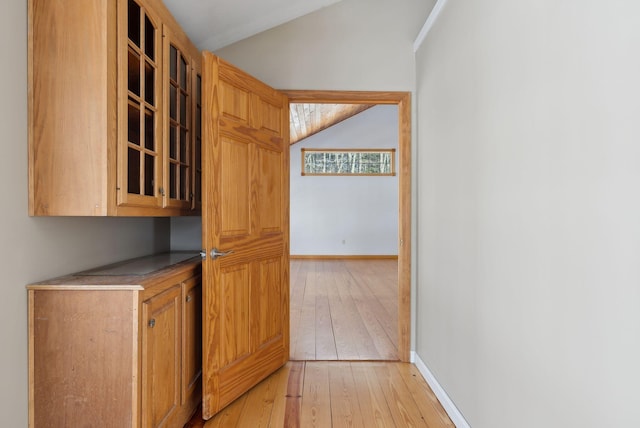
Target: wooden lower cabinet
161 319
116 351
192 342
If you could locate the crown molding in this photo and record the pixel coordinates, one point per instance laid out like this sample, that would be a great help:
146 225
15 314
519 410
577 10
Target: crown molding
431 19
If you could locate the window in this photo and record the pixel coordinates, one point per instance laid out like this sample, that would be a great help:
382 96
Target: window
348 162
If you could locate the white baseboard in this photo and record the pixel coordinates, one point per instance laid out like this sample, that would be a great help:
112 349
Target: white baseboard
449 407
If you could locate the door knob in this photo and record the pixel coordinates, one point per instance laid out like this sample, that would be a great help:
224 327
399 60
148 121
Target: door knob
215 253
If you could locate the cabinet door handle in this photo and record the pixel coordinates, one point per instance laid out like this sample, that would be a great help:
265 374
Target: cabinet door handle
152 322
188 298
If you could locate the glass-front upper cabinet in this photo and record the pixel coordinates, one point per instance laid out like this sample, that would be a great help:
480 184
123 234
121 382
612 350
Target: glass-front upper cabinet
179 125
140 181
130 149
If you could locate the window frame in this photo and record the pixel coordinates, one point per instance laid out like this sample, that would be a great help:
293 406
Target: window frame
305 150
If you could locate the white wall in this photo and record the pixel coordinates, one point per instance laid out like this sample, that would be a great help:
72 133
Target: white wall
347 215
39 248
529 231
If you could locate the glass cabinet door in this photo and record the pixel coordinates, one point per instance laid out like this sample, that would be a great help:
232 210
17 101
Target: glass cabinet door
143 150
197 144
178 159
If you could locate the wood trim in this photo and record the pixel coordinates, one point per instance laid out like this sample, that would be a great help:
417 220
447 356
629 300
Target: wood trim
31 357
404 228
345 97
84 287
136 361
344 257
403 101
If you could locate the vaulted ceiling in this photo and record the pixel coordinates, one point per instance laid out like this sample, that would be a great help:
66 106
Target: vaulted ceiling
309 119
213 24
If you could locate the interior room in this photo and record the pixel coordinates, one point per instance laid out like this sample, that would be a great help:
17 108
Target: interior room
524 237
341 228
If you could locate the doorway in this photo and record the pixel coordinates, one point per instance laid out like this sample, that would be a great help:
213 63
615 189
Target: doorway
403 101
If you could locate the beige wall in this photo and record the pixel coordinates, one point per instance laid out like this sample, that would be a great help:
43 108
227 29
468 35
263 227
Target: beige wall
38 248
529 231
352 45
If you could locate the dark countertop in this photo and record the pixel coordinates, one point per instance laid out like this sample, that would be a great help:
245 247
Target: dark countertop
135 273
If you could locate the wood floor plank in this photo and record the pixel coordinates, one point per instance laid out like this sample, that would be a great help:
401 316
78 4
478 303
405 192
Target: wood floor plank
359 334
373 405
280 390
294 394
345 406
315 411
260 400
430 408
344 323
296 293
229 416
325 339
344 309
368 294
335 394
382 278
404 410
368 309
306 343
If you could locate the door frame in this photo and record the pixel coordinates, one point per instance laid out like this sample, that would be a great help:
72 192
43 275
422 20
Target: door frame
403 101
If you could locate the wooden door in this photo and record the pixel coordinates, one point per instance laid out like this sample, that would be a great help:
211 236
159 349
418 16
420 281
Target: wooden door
246 212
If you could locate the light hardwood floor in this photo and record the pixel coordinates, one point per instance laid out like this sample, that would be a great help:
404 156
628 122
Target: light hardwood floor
340 310
335 394
344 310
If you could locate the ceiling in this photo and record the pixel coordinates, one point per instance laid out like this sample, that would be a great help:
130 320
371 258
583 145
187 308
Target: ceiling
213 24
308 119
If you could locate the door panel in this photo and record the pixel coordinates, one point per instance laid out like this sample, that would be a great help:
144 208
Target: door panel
267 295
269 117
246 211
235 198
235 309
235 102
270 192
